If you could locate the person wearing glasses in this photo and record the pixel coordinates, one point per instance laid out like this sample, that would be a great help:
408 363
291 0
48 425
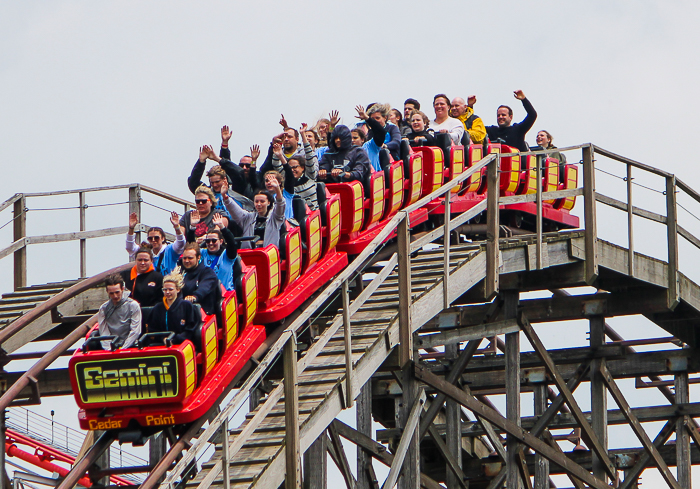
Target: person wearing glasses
143 281
199 220
218 257
165 256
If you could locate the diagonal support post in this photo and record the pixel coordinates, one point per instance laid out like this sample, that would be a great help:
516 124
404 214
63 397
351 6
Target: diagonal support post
636 426
586 429
411 424
633 474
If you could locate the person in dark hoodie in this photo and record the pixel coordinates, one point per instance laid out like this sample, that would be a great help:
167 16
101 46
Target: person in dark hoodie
174 314
420 133
392 136
343 162
143 281
512 135
201 284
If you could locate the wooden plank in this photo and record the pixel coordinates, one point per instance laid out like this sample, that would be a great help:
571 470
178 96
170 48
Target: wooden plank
342 460
468 333
452 464
16 245
75 191
672 242
512 359
493 229
454 224
347 325
536 444
79 235
291 416
599 396
587 432
83 242
405 302
10 201
555 194
446 239
638 429
538 219
453 437
630 223
683 462
629 161
405 442
637 211
363 419
589 216
19 231
688 236
541 463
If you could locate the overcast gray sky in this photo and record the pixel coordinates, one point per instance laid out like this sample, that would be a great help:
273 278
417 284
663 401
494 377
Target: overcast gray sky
103 93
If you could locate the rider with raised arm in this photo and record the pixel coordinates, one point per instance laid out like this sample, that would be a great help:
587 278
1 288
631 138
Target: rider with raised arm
218 257
300 173
164 256
375 134
268 218
143 281
472 123
513 135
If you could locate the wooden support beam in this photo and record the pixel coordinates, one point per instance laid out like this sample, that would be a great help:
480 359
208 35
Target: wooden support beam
630 223
599 396
446 254
469 333
377 450
347 328
589 216
225 458
491 281
406 440
636 426
547 437
541 463
457 369
672 242
536 444
83 242
512 358
405 297
683 462
587 432
452 465
632 474
363 418
291 415
316 464
342 460
453 436
19 231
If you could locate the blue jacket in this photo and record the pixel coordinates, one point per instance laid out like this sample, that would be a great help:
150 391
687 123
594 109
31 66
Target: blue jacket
222 264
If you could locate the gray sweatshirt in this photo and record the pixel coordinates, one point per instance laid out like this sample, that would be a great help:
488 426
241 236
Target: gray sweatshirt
246 220
123 320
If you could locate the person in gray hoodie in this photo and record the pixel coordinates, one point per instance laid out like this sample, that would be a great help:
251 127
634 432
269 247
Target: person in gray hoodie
120 315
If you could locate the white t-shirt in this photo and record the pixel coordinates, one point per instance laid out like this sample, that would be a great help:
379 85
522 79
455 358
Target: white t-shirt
453 126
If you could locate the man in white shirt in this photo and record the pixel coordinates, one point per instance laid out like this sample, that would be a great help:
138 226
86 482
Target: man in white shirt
443 122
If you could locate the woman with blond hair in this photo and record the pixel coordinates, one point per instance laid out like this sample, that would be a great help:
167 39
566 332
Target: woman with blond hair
174 314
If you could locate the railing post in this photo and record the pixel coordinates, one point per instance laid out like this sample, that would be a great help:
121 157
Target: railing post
225 459
291 415
83 241
589 215
446 255
630 229
348 345
538 224
492 228
135 206
672 233
20 232
405 299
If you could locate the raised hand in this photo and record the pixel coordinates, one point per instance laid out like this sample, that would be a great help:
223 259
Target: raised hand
225 135
209 152
361 114
283 122
133 221
254 152
203 154
273 183
519 94
278 139
175 220
334 118
277 149
302 132
471 100
218 221
224 189
194 217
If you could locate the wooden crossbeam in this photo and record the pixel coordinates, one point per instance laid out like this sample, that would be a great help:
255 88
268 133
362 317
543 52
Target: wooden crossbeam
633 474
586 429
547 437
469 333
636 426
536 444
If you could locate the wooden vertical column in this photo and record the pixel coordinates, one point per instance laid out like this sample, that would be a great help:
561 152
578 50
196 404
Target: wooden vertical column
103 461
599 395
83 242
453 414
156 450
492 229
316 464
405 297
291 415
541 463
672 236
19 227
683 461
410 473
630 223
225 455
512 354
589 216
135 206
363 417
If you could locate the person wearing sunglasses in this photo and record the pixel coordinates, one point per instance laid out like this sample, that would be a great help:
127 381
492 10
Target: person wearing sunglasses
218 257
198 222
165 256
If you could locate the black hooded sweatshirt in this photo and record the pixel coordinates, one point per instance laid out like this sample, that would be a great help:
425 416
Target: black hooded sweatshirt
352 159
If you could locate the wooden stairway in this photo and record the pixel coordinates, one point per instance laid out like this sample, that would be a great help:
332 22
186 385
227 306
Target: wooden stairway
260 461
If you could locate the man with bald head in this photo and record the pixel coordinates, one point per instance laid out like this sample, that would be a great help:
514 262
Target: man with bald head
472 122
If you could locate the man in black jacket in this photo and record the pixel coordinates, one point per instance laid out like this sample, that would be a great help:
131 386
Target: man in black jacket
512 135
201 283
